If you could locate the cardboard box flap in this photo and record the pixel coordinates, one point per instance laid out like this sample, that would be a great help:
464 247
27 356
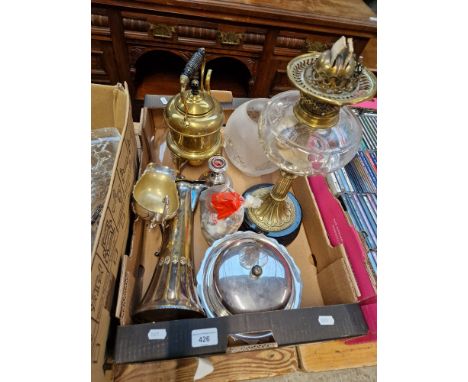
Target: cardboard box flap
109 106
322 251
334 290
330 260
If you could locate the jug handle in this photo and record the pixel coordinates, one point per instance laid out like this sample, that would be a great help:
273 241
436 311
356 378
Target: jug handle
150 226
162 224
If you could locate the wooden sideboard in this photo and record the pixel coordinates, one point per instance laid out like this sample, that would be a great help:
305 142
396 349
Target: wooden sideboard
248 42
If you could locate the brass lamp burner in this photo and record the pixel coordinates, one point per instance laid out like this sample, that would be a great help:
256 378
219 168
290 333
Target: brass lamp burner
327 81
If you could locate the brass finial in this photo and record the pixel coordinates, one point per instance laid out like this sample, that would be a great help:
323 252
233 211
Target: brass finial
336 69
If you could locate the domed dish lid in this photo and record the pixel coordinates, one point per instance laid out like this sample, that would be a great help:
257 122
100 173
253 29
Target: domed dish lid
247 272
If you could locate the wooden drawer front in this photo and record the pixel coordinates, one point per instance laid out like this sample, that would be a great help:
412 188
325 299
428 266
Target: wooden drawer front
103 68
293 44
153 28
100 26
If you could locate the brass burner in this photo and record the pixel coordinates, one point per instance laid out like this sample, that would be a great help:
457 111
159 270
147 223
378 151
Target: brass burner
328 80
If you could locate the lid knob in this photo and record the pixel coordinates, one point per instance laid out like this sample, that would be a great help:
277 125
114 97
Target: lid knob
217 164
256 271
195 86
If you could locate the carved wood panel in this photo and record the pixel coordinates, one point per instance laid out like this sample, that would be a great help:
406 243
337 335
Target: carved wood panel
292 44
249 63
237 74
99 20
100 29
181 30
136 51
103 66
280 81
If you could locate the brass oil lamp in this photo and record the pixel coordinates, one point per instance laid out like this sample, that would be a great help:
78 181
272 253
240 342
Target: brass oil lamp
194 117
308 132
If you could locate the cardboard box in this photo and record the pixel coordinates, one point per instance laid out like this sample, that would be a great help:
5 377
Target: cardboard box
329 308
341 231
110 107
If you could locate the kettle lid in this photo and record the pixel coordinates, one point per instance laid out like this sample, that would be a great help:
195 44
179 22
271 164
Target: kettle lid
199 104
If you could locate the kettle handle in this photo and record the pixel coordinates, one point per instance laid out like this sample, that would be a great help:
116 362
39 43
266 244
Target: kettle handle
191 67
207 81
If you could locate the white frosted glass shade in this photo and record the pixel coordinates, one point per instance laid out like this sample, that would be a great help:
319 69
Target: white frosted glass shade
243 147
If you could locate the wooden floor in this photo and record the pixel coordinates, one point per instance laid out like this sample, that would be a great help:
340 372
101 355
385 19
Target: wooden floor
227 367
335 355
301 362
361 374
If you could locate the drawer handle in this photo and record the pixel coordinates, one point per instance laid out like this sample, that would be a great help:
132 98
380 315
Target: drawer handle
315 46
161 30
229 38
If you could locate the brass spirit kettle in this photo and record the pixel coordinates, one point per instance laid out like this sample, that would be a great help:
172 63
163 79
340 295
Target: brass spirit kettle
193 116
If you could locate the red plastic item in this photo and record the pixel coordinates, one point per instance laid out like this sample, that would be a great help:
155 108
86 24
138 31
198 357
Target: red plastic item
226 203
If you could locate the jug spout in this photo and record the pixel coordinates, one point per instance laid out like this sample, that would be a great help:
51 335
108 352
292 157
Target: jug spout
196 190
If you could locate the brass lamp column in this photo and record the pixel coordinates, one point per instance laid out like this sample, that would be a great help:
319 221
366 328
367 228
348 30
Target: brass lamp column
277 210
307 132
